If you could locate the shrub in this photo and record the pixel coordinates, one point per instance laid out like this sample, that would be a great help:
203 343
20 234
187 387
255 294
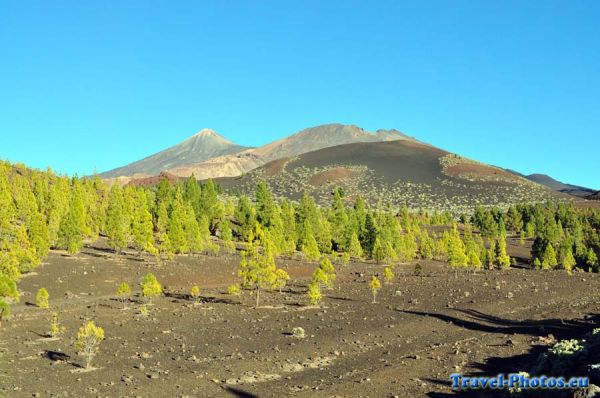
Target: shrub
88 341
233 289
566 347
4 310
124 292
298 332
150 287
41 298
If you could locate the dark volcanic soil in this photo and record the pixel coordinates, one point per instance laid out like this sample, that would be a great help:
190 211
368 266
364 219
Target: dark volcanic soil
421 329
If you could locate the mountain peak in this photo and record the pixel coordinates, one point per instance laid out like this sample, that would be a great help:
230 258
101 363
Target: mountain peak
206 132
203 145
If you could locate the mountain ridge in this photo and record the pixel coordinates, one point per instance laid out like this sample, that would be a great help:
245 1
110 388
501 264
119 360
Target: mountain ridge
183 159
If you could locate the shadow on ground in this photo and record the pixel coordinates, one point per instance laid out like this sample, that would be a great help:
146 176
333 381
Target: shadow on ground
478 321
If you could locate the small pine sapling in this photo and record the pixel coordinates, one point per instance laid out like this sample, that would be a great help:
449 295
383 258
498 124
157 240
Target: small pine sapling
150 287
374 285
124 293
144 310
314 293
418 269
41 298
388 274
195 293
329 271
281 279
56 329
88 341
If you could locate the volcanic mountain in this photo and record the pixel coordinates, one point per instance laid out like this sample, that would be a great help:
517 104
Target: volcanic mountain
209 155
400 172
304 141
204 145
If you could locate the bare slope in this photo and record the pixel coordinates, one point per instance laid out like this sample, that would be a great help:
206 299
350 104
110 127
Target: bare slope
202 146
400 172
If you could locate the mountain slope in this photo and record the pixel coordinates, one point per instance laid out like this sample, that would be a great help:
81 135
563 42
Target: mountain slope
307 140
556 185
401 172
202 146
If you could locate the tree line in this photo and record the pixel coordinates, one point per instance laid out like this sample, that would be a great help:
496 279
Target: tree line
40 210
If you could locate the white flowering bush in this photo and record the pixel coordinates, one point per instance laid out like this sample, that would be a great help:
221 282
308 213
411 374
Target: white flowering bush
567 347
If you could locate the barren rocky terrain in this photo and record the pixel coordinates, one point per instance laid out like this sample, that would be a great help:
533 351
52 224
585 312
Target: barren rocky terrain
423 327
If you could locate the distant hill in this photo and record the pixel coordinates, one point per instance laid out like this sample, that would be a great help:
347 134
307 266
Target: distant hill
204 145
398 172
556 185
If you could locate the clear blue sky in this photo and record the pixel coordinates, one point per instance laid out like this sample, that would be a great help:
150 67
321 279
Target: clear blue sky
87 84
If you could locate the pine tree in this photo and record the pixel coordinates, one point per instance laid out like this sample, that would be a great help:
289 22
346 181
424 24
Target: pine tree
591 259
426 245
378 252
456 249
245 217
309 246
329 272
354 249
369 236
209 203
192 194
473 259
265 205
338 218
567 259
227 236
195 241
502 259
142 227
38 235
117 226
257 268
70 236
175 228
549 257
